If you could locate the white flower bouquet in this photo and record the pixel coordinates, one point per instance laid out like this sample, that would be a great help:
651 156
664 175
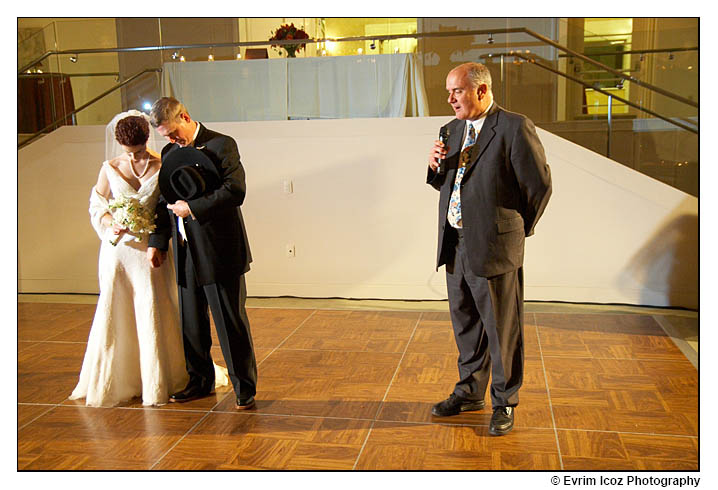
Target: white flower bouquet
130 213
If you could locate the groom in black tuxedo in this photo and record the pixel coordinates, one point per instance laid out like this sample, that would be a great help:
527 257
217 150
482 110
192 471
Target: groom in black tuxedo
211 254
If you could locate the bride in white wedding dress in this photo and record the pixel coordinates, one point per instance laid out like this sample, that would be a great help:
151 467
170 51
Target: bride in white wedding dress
135 343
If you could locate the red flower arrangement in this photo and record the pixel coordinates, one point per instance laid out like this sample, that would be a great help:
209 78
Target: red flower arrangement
287 32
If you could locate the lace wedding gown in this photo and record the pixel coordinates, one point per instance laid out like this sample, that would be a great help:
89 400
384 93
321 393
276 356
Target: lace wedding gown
135 344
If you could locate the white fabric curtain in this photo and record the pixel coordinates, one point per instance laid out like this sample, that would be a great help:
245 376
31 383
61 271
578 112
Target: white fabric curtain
249 90
299 88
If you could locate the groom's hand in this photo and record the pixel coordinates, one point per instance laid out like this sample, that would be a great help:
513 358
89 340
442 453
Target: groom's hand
180 208
155 256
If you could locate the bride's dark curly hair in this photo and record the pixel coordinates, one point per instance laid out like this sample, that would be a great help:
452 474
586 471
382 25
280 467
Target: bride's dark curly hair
132 131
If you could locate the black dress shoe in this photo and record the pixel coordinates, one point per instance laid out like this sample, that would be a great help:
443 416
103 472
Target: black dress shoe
245 403
502 421
454 405
191 392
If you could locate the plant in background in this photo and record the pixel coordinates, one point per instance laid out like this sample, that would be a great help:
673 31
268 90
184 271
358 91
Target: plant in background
287 32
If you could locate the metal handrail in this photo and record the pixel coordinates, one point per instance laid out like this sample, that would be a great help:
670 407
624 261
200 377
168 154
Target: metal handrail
388 37
640 51
70 75
532 60
631 79
103 94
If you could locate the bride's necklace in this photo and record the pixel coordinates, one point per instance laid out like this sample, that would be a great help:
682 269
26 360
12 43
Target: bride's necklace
147 167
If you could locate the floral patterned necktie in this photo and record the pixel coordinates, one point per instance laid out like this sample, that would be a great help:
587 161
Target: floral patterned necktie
454 214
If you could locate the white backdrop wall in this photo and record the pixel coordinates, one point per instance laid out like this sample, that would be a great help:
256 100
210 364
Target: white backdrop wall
363 222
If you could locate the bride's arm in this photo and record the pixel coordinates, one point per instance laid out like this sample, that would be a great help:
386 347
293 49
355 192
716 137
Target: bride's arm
102 189
100 216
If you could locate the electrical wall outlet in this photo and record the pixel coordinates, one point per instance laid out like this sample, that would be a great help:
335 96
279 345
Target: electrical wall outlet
290 250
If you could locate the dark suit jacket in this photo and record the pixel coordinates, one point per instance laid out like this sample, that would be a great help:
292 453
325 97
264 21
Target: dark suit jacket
504 191
216 239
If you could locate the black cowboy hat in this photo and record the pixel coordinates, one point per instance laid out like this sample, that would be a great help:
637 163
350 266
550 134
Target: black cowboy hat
187 173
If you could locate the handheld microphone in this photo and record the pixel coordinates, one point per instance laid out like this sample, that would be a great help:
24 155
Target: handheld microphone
443 137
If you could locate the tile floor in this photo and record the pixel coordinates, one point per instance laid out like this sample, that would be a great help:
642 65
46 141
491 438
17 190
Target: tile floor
349 386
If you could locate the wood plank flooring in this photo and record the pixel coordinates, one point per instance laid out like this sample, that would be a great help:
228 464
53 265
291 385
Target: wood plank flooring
353 390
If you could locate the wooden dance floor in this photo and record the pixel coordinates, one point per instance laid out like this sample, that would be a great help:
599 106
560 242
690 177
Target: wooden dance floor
352 389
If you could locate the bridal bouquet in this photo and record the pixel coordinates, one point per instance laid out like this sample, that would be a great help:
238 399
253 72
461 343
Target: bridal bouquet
130 213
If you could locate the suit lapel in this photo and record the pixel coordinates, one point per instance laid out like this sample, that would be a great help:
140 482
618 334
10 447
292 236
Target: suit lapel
199 140
487 133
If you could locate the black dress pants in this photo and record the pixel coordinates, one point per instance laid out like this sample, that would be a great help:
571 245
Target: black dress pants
487 317
226 300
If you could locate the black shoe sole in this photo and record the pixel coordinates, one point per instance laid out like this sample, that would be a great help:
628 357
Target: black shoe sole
470 408
500 432
185 400
248 406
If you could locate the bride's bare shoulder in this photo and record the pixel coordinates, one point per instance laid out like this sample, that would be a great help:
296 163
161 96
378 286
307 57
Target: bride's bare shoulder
116 162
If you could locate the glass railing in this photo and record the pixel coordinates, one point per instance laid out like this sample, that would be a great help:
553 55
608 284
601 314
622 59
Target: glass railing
638 104
621 128
657 133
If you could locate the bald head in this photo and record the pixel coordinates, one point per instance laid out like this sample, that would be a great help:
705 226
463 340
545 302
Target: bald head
469 88
477 73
